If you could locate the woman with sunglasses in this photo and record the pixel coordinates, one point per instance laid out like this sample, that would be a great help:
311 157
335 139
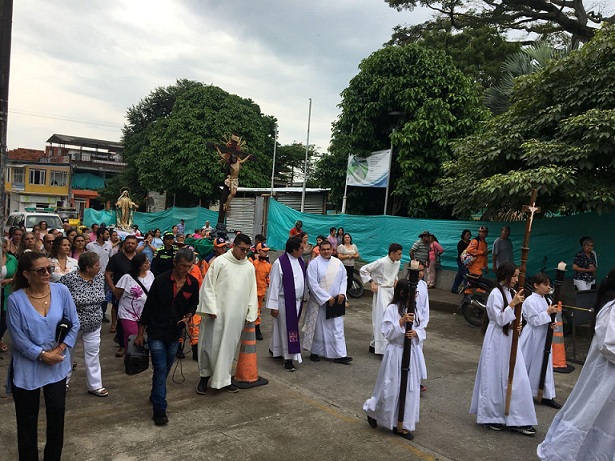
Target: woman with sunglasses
78 246
60 259
87 287
36 308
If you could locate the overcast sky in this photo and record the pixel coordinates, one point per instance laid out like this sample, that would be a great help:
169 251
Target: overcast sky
76 65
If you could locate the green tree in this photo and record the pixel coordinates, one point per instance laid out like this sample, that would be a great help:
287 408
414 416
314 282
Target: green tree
290 160
166 140
558 137
539 16
415 99
527 61
476 51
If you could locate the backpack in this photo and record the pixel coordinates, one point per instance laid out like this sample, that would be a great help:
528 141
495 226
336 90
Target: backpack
466 258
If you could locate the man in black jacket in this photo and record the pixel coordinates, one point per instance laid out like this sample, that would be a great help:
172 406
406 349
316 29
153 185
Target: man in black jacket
170 304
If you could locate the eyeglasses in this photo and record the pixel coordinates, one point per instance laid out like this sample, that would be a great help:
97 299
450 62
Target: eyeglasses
243 249
43 270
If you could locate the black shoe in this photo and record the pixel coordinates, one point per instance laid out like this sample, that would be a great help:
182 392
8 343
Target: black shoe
525 430
372 350
259 335
180 354
276 356
288 364
231 388
405 435
551 403
343 360
372 422
195 352
105 319
495 427
201 387
160 418
314 358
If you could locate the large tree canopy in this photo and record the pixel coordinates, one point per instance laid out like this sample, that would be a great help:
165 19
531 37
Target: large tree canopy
414 99
558 137
167 132
539 16
476 51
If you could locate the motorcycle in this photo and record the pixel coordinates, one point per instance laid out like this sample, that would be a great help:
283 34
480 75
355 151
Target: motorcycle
355 286
474 302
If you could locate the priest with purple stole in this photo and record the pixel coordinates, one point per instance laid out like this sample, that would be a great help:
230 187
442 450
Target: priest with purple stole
286 293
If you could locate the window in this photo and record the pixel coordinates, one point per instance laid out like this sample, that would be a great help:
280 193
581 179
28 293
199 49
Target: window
59 178
37 176
19 175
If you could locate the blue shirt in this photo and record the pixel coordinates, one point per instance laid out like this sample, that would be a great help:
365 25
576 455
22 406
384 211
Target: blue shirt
31 333
147 251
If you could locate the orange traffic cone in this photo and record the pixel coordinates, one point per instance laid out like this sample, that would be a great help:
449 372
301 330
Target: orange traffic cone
559 349
246 374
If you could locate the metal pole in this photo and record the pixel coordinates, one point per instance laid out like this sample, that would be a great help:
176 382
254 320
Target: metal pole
307 150
346 183
386 194
6 26
275 143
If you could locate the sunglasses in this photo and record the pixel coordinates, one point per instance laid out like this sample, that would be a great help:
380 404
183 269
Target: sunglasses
44 270
243 250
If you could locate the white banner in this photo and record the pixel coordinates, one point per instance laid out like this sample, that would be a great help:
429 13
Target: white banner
372 171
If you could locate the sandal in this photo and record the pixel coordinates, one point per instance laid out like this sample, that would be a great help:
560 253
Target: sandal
112 329
3 346
102 392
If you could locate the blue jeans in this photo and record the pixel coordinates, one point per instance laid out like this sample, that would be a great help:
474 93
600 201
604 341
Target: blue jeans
463 270
163 356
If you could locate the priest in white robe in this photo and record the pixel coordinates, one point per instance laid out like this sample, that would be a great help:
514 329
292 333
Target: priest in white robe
584 428
382 275
226 302
326 277
286 294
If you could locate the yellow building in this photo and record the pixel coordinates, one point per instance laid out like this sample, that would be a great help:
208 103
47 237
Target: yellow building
36 185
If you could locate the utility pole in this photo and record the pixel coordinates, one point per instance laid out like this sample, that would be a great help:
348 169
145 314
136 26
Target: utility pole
305 165
6 26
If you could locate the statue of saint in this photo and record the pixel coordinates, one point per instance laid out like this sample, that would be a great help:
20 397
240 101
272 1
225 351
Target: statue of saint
123 211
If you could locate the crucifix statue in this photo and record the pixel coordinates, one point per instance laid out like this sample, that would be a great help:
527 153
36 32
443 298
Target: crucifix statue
231 154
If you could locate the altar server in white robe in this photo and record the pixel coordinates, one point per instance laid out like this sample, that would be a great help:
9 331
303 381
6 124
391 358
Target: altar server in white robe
326 277
383 406
489 397
584 429
537 312
226 302
287 277
422 309
382 275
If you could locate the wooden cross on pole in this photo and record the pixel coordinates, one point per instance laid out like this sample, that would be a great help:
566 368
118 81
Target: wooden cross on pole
531 209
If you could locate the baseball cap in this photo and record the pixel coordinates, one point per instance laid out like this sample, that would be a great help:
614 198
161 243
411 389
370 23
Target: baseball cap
65 220
262 246
483 228
167 235
220 242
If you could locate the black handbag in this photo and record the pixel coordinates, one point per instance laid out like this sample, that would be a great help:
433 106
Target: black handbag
337 309
136 358
64 326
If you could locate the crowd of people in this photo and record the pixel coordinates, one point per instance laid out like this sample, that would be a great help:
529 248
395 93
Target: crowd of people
57 284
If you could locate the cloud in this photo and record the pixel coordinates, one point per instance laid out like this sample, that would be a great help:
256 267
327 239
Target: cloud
90 61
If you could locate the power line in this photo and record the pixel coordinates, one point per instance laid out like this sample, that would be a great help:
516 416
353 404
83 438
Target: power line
55 117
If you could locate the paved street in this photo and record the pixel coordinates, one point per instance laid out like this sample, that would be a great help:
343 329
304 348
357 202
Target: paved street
313 413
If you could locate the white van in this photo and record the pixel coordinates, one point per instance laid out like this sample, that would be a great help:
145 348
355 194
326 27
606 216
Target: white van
31 219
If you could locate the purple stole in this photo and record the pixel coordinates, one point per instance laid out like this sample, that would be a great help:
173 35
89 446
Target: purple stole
290 303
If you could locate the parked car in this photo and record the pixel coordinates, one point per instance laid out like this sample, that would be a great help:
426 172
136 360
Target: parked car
29 219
